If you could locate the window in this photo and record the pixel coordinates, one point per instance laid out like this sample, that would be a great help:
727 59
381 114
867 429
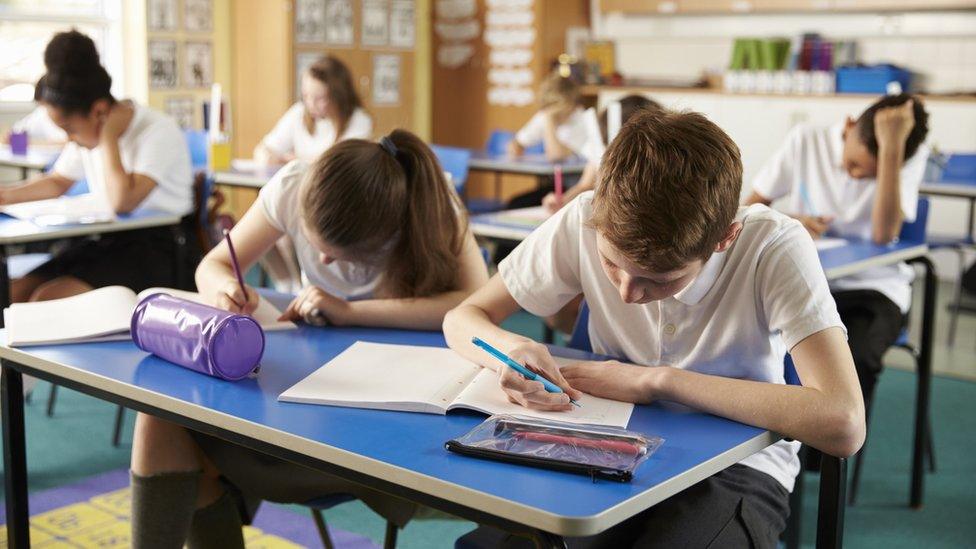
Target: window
28 25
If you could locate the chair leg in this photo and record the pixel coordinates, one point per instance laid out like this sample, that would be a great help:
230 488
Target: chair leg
830 512
930 447
859 457
389 542
791 536
322 528
119 422
51 398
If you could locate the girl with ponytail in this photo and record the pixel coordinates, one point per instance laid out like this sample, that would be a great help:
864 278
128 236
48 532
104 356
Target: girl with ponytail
133 158
383 240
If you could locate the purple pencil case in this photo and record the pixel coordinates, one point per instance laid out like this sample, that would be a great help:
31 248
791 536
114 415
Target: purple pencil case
199 337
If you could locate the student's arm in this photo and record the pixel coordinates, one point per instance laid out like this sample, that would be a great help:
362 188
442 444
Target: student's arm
278 146
50 185
554 148
827 412
125 191
253 235
480 316
422 313
266 157
891 128
816 225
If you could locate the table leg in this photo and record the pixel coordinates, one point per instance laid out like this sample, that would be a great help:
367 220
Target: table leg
498 186
924 383
972 217
14 457
833 501
24 173
4 282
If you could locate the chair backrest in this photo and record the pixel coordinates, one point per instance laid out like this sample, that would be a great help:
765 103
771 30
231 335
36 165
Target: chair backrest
196 141
789 371
78 188
207 202
498 142
580 338
916 231
455 161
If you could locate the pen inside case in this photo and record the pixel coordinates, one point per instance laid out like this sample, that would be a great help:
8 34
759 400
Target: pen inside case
604 452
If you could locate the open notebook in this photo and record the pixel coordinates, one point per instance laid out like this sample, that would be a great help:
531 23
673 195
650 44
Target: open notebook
431 380
530 218
99 315
67 210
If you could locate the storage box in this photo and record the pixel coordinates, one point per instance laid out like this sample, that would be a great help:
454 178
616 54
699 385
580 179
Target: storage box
872 79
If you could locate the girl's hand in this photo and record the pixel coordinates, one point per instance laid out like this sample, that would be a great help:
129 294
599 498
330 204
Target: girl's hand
612 379
893 124
552 203
815 225
231 298
317 307
532 394
118 119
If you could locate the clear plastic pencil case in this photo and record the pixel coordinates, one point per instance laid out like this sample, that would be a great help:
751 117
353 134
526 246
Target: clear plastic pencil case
598 452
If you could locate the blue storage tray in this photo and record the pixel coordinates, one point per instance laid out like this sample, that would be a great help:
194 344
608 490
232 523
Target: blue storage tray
871 79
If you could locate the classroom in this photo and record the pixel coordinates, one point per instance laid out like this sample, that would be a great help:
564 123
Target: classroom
484 274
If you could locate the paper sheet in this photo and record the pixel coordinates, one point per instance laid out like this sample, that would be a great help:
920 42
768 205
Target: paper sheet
827 243
525 217
66 210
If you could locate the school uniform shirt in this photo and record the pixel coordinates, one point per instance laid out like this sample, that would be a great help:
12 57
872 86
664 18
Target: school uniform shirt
40 127
280 200
571 133
812 156
736 319
290 135
153 146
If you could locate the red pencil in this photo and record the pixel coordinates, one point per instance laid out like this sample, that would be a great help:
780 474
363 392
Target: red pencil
237 266
609 445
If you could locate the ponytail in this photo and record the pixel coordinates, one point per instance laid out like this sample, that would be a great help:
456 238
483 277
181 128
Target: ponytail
389 197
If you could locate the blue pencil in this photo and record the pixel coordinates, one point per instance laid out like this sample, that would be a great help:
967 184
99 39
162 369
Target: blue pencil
528 374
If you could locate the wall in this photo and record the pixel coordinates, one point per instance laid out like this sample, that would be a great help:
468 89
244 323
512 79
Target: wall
939 45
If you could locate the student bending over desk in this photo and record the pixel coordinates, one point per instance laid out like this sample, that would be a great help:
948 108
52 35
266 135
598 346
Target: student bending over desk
133 158
707 298
383 240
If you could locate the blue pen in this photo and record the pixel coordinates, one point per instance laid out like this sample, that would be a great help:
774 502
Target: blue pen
807 203
526 373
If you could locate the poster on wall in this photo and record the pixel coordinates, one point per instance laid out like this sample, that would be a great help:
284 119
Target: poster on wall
161 15
198 15
457 27
376 24
303 60
386 79
402 25
310 21
162 64
338 23
197 65
182 109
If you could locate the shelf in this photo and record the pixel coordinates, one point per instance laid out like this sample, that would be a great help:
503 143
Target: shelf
595 90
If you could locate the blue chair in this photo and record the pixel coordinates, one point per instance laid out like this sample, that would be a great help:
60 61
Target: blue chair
915 231
79 188
455 161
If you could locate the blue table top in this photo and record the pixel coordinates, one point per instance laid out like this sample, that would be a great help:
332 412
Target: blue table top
407 448
534 164
857 256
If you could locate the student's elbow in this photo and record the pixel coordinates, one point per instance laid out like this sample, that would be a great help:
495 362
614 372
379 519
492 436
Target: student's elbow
847 430
122 206
883 237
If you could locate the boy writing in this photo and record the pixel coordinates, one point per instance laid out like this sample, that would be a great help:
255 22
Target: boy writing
703 300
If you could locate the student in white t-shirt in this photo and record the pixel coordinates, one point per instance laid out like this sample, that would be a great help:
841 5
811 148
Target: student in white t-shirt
858 179
134 159
594 147
558 125
330 111
383 241
700 301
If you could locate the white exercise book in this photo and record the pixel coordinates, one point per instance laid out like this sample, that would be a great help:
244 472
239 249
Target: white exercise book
99 315
431 380
827 243
529 218
84 209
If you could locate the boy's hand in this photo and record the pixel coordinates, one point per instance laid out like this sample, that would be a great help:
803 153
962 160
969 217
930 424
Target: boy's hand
893 124
816 225
514 149
611 379
230 298
552 203
532 394
316 307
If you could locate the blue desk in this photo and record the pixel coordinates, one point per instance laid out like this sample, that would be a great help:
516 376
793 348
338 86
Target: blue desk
529 164
17 231
397 452
250 177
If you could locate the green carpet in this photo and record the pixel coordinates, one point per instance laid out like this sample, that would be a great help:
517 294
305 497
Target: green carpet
76 443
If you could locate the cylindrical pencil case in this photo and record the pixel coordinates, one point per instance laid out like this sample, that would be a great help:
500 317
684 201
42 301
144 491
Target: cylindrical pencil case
199 337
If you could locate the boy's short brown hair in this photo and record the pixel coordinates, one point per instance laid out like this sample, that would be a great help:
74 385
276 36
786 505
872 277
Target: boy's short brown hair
669 189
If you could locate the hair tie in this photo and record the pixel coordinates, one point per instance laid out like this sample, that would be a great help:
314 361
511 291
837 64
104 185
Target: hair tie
390 147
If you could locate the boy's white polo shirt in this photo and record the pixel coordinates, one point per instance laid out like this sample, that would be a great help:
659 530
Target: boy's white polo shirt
812 156
737 319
